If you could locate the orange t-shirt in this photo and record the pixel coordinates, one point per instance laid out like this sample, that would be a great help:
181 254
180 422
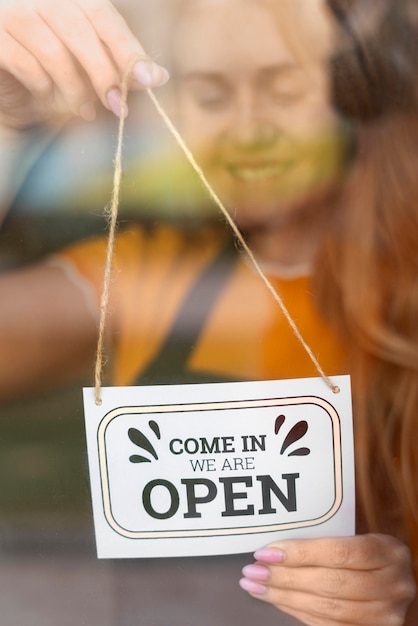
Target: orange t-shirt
245 336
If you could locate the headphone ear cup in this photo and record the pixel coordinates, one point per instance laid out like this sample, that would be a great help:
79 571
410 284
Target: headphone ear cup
376 73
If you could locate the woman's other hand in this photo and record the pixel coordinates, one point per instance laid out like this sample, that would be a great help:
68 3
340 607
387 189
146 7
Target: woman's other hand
64 56
355 581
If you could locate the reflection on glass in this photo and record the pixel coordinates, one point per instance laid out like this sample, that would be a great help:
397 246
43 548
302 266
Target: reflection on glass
303 117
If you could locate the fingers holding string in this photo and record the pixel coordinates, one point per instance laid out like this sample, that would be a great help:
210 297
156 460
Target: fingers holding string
112 49
75 53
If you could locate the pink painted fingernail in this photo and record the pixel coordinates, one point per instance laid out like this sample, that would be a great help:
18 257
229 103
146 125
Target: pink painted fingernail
256 572
252 587
149 74
114 101
270 555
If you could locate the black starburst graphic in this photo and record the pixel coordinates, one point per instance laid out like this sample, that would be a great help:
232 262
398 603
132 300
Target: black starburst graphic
139 439
296 433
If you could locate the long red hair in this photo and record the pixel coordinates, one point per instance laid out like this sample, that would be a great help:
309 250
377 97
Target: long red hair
367 269
367 287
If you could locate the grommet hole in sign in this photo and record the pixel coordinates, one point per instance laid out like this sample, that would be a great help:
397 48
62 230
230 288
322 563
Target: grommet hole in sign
187 497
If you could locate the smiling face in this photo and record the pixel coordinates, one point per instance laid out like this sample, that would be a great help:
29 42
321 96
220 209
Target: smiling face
257 118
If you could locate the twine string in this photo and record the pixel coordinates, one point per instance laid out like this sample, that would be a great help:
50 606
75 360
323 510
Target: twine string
113 214
111 211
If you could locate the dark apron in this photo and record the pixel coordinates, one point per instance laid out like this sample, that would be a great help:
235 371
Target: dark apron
170 364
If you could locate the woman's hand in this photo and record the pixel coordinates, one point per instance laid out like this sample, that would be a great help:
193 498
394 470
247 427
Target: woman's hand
62 56
355 581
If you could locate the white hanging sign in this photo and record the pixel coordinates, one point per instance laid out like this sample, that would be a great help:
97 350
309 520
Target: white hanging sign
222 468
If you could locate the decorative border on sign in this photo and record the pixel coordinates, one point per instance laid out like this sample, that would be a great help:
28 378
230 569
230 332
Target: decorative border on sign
218 406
